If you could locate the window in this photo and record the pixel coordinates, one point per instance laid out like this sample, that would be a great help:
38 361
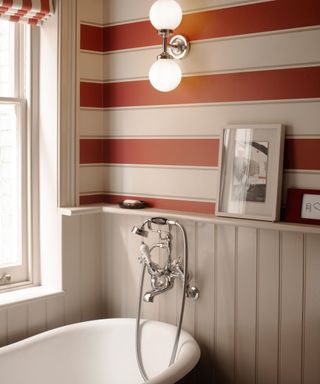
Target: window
16 138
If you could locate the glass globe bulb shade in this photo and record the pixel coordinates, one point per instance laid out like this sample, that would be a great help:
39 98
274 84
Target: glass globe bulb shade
165 75
165 14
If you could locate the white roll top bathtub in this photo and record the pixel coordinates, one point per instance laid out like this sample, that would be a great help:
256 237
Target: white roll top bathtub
98 352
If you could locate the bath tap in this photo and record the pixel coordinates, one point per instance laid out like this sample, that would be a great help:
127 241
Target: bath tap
153 268
162 278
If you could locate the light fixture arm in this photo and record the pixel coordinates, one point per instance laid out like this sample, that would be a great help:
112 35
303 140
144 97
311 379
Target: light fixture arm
164 33
177 48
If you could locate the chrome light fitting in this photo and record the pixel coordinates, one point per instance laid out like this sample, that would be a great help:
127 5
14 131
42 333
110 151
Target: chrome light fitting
165 74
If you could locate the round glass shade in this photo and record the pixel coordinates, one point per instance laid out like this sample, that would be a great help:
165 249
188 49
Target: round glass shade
165 75
165 14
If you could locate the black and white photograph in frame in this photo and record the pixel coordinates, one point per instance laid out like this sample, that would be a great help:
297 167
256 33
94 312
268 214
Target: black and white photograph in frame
250 164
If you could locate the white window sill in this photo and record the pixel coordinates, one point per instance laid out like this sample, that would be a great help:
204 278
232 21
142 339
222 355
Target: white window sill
205 218
31 293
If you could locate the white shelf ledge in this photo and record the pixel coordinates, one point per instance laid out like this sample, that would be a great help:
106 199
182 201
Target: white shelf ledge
205 218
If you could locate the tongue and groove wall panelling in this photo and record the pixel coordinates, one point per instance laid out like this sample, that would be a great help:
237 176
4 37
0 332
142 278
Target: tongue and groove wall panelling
250 62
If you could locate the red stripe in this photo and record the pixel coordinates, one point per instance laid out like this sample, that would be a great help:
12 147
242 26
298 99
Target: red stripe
91 95
44 11
193 152
130 35
25 8
176 205
299 153
91 38
239 20
232 87
302 154
45 7
92 199
6 5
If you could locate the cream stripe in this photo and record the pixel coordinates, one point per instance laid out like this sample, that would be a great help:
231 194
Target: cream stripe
90 66
125 12
198 120
149 137
213 104
301 179
149 166
144 195
302 171
282 50
209 40
185 137
187 183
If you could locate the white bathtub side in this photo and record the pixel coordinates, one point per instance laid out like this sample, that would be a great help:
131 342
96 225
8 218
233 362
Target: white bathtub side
97 351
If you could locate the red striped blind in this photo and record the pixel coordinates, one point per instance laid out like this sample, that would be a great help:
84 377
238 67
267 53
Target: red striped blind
27 11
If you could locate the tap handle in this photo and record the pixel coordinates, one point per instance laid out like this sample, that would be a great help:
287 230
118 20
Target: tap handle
159 220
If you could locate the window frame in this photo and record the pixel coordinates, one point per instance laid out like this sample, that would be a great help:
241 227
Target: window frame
26 100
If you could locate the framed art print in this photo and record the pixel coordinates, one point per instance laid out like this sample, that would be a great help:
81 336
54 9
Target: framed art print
250 164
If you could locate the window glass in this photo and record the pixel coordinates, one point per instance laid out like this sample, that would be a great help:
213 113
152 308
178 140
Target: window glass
7 53
15 230
9 187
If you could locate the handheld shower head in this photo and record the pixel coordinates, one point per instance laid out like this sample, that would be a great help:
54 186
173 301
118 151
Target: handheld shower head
139 231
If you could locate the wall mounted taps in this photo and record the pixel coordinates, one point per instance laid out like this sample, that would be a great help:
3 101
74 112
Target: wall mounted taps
162 278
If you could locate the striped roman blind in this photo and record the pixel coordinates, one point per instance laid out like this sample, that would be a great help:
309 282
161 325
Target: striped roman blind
27 11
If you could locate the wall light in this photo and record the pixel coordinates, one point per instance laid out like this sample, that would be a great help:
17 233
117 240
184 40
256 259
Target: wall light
165 74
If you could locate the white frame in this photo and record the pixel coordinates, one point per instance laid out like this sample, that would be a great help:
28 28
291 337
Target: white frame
269 210
26 101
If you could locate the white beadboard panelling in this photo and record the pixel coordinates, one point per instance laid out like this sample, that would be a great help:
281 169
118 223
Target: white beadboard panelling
246 305
115 266
171 182
3 327
131 267
225 284
248 319
204 329
312 311
192 243
37 317
169 304
91 66
268 306
121 10
217 55
55 311
291 308
71 268
149 310
90 281
300 118
17 322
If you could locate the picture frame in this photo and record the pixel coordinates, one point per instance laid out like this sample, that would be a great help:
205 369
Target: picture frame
303 206
250 171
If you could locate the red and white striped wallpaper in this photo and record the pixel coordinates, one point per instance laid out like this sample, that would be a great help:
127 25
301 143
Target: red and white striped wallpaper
250 62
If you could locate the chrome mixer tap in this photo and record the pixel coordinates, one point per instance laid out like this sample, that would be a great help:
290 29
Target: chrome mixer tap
162 277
